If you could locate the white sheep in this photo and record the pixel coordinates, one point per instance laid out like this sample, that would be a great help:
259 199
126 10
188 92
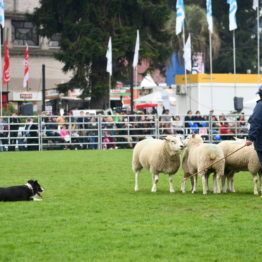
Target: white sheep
158 156
186 173
245 159
199 158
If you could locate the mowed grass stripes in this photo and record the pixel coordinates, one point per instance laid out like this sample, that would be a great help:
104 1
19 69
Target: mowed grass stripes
90 212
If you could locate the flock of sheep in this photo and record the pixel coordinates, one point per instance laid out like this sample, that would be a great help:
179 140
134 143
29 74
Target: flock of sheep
199 159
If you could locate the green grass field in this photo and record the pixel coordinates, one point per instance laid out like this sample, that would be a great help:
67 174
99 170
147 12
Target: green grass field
90 212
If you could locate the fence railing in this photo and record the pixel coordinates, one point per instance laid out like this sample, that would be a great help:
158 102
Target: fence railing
110 131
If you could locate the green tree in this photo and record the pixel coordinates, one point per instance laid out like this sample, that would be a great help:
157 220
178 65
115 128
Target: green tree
246 54
85 27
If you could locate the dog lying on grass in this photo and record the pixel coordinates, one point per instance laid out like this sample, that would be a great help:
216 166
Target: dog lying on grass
26 192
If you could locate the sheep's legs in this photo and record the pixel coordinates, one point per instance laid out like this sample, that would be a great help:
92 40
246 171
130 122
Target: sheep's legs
255 184
224 185
171 187
194 183
214 184
136 180
231 184
260 180
217 179
155 179
183 186
204 184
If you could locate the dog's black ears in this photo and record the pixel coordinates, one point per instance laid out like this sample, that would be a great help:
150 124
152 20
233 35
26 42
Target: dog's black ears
31 181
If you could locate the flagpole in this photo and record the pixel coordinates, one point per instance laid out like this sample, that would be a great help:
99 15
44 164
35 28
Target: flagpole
109 67
258 45
136 76
211 68
234 61
109 85
185 75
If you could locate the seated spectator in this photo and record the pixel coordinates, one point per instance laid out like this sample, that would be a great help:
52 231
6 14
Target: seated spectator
14 125
107 134
124 138
60 120
82 121
203 128
51 127
3 134
92 133
215 125
166 122
178 126
150 126
225 130
75 137
198 118
31 134
242 124
189 122
65 135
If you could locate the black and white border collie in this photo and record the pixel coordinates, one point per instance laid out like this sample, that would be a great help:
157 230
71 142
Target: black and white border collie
26 192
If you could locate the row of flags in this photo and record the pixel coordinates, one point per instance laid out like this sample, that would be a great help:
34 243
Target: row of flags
6 68
180 14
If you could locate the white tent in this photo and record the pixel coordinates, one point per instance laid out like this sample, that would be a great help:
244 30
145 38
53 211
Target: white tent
153 98
148 82
160 98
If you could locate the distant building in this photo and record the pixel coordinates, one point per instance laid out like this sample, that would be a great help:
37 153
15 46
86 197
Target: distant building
19 32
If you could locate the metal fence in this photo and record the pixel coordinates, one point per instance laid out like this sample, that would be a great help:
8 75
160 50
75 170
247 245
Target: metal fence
22 133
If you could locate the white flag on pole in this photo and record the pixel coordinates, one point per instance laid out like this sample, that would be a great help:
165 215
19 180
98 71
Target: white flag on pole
180 16
137 47
2 14
209 16
187 54
232 14
255 4
109 57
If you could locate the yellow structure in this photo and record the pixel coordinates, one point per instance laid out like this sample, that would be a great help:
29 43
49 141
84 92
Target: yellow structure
218 78
203 93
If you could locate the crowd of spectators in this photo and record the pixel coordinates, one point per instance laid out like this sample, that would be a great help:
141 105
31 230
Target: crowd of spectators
115 130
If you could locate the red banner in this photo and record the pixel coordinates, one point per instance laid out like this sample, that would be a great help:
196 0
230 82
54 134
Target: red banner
6 68
26 70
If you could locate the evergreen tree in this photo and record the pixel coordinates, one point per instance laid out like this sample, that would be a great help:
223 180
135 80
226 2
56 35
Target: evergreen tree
85 27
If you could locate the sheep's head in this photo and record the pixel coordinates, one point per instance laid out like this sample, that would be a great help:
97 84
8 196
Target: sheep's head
174 143
193 139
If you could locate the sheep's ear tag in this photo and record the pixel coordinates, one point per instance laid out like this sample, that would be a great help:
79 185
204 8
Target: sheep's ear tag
193 135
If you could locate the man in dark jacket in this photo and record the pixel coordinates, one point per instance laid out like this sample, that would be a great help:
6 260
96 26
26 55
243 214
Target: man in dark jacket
255 131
